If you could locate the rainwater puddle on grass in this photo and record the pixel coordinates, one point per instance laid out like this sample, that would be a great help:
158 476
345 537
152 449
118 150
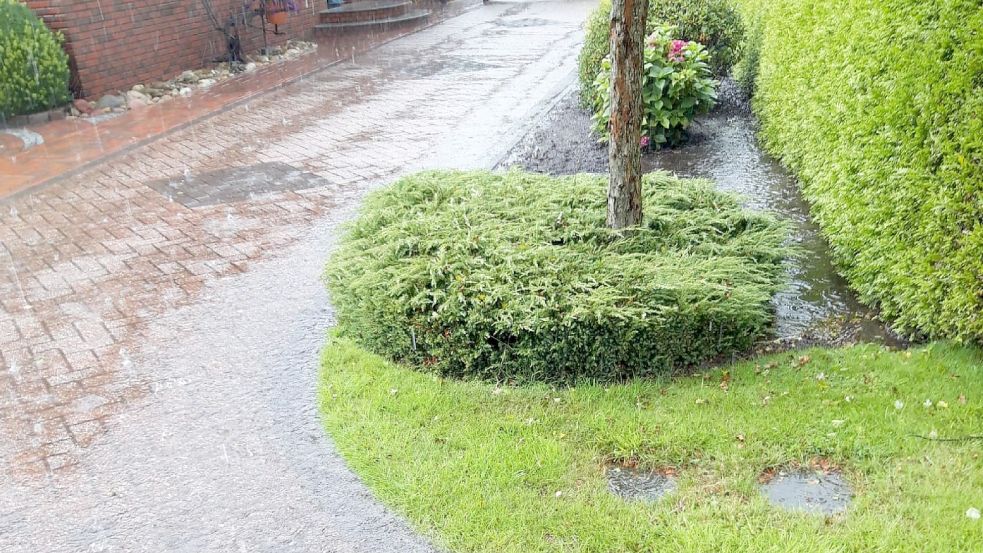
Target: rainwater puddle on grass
808 491
633 484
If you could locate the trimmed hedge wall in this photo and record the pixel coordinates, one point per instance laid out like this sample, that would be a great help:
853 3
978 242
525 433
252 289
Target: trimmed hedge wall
877 106
515 277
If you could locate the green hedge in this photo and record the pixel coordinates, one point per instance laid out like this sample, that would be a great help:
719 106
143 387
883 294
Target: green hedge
713 23
876 105
33 65
515 276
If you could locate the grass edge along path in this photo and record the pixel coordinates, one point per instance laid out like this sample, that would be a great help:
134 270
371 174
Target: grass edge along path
479 467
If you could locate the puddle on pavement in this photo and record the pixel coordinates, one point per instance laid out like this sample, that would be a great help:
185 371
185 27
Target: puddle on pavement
235 184
520 23
418 67
632 484
818 307
813 492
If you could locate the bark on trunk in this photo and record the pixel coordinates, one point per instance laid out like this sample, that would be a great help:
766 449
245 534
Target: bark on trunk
624 152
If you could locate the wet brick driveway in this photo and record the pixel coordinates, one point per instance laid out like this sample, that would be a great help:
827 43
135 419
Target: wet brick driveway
158 355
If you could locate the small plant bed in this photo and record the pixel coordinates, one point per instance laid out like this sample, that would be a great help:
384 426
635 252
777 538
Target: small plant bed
486 468
183 85
514 276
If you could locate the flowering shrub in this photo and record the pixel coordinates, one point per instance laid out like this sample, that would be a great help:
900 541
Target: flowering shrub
677 86
713 23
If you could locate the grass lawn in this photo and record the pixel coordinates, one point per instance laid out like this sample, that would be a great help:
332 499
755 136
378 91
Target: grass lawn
484 468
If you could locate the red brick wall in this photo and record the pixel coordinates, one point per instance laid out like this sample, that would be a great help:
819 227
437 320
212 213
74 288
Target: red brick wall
114 44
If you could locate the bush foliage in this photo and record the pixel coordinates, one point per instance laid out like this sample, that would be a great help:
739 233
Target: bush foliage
33 65
677 85
515 276
712 23
876 105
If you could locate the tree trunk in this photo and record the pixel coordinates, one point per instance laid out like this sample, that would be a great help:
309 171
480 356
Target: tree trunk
624 151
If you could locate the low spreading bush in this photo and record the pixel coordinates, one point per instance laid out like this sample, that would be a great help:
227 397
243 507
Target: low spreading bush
677 85
713 23
876 106
33 65
515 276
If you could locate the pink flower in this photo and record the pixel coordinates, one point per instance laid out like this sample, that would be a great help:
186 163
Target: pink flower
676 50
644 143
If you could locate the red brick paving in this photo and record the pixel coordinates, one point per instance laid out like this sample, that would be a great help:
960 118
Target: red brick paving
158 362
71 144
87 262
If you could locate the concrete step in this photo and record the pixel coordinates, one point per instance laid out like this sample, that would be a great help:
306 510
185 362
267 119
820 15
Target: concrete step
408 17
366 10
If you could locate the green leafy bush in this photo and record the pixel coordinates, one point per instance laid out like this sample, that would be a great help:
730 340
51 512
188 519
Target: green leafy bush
713 23
597 46
677 85
33 65
515 276
746 68
876 106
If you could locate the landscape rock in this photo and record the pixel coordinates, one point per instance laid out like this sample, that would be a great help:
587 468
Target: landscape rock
136 96
38 118
83 106
188 77
204 83
111 101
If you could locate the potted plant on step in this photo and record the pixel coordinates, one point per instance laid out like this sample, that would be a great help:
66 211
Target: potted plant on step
277 10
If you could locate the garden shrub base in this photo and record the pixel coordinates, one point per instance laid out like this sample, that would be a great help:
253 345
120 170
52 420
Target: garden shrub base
514 276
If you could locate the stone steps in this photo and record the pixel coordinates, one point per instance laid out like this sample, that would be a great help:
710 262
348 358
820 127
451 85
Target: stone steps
370 14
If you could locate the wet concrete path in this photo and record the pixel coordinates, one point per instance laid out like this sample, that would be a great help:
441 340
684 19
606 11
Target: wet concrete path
159 328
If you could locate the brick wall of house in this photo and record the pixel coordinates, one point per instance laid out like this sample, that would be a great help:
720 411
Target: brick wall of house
114 44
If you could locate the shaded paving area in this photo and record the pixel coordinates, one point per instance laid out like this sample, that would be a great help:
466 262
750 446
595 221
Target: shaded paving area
159 325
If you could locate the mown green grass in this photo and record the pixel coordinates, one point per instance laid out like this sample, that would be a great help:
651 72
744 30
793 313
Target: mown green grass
483 468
